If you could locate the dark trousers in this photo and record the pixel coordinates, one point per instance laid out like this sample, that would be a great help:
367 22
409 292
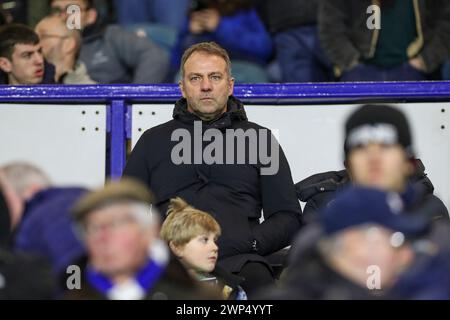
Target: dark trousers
301 57
367 72
172 13
257 275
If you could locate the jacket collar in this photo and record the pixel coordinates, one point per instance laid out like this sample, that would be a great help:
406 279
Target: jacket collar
94 31
235 113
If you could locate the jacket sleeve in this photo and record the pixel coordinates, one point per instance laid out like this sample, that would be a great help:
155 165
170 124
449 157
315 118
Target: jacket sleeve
333 34
150 63
437 39
137 166
282 212
245 32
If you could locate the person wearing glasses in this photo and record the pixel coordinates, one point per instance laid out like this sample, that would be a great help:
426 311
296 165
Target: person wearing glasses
110 53
61 47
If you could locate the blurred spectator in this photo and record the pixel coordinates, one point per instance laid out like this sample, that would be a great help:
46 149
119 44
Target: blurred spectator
22 277
363 246
192 235
412 43
126 259
378 153
110 53
21 59
293 26
61 47
170 13
42 222
235 26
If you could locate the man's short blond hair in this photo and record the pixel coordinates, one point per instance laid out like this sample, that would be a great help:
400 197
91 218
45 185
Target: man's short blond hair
184 223
211 48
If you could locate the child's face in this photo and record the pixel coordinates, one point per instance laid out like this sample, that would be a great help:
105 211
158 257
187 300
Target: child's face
200 253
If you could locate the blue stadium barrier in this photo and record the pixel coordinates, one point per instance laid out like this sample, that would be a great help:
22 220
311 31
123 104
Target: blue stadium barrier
119 97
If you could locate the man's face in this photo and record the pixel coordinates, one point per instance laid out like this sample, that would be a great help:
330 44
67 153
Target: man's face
369 246
87 15
52 37
26 65
206 85
116 243
385 167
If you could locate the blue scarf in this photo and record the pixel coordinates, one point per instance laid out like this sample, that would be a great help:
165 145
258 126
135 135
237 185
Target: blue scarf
146 278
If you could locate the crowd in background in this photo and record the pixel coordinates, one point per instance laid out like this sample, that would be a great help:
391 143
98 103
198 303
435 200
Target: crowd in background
141 41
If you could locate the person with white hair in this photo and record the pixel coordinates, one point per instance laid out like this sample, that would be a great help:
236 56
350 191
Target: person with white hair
40 220
126 259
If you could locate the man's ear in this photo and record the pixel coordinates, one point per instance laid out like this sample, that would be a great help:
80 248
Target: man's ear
5 65
180 84
231 85
31 190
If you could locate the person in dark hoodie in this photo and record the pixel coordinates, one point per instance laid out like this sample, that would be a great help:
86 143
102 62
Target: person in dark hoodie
21 59
378 153
110 53
234 191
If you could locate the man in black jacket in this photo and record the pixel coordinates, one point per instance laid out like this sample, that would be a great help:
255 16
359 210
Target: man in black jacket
233 182
377 162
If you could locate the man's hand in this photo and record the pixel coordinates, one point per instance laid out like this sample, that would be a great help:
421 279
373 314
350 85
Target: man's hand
196 23
418 64
204 21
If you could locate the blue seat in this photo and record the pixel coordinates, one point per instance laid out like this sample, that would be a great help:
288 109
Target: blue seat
248 72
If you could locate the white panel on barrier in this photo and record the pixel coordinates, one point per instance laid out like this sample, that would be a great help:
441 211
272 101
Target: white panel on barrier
312 135
67 141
